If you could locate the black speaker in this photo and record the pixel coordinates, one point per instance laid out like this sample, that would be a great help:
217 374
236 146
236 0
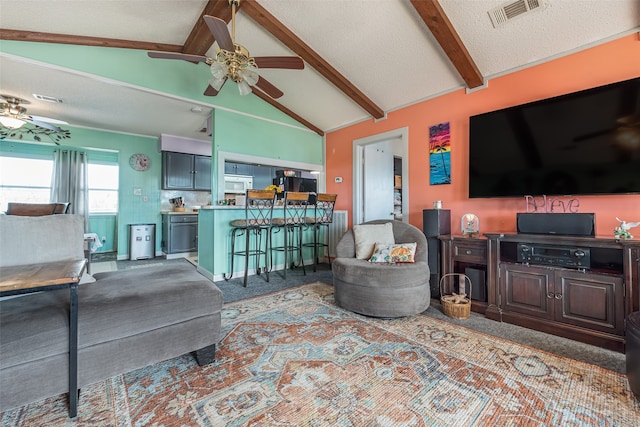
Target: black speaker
562 224
478 283
435 222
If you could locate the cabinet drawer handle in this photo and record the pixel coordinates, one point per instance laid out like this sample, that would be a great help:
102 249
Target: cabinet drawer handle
468 252
558 296
550 295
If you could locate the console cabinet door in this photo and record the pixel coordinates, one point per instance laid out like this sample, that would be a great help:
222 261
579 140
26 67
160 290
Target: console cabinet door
593 301
527 290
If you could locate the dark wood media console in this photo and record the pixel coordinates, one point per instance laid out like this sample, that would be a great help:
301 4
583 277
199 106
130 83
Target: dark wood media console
584 304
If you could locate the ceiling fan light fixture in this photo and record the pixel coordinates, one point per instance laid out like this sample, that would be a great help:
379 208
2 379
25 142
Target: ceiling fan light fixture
11 122
249 75
12 113
219 70
244 88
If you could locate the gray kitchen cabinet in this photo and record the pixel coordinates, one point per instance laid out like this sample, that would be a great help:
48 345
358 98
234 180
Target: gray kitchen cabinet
179 233
263 176
181 171
234 168
202 173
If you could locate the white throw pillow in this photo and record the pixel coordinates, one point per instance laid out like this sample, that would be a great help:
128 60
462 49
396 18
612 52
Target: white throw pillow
367 235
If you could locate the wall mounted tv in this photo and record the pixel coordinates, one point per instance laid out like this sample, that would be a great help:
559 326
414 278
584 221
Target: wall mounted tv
586 142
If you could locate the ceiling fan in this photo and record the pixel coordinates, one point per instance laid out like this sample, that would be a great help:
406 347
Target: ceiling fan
13 117
233 61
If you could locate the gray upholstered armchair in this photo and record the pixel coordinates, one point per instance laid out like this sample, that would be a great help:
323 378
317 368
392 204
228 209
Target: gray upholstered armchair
382 289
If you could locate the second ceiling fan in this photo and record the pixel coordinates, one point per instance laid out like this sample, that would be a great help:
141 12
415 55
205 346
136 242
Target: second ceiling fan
233 61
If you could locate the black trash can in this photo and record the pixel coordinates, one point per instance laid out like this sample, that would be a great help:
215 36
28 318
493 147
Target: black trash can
633 352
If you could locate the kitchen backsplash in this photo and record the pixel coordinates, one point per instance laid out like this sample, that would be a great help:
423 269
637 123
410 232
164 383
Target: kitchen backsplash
191 198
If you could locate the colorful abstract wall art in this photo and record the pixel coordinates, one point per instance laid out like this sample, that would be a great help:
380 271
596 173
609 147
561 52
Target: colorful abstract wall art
439 154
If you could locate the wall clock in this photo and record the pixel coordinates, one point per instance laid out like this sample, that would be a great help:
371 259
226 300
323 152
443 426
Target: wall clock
139 162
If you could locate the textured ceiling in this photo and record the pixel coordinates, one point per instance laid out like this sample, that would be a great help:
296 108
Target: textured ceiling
382 47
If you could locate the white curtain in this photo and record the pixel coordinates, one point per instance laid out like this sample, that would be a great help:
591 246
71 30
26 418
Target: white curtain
69 182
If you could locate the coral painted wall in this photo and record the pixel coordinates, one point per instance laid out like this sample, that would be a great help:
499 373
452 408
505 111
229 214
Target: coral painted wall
607 63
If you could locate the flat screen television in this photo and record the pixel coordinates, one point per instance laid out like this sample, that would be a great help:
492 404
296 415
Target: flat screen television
582 143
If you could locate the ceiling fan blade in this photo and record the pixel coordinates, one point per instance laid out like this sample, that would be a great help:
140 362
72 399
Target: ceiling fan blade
220 32
49 120
175 55
268 88
287 62
42 124
211 91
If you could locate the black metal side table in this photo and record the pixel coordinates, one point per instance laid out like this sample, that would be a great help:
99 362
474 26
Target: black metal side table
48 277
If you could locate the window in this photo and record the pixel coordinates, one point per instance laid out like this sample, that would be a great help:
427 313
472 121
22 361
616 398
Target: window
103 188
24 180
28 180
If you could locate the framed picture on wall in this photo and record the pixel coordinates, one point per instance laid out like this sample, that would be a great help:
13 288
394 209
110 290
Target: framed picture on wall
439 154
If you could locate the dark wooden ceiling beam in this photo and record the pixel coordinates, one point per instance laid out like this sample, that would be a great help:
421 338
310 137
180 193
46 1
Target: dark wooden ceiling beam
31 36
266 98
434 17
200 39
261 16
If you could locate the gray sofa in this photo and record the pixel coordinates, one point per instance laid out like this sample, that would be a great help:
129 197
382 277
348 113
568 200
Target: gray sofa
382 290
126 319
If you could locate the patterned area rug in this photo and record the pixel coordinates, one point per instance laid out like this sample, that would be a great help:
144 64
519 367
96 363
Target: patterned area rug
293 358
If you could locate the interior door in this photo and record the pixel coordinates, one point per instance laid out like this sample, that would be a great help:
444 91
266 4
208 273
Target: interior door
378 181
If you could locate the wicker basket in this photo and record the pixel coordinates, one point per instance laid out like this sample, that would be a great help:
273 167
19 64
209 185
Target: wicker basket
451 308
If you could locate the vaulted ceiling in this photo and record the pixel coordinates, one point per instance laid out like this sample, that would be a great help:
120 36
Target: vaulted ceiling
363 58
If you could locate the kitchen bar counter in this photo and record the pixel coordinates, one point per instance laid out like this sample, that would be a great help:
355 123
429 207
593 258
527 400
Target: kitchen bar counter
214 241
187 212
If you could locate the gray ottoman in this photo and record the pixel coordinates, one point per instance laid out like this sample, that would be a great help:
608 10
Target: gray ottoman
126 320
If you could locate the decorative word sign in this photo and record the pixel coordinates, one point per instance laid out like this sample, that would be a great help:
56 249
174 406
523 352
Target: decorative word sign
546 204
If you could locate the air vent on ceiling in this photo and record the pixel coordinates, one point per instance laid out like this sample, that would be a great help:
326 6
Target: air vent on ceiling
47 98
504 13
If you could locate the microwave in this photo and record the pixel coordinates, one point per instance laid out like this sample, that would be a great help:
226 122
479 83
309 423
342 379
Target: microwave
237 184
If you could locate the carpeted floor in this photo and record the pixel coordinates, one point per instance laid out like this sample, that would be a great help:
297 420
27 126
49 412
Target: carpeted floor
293 358
233 290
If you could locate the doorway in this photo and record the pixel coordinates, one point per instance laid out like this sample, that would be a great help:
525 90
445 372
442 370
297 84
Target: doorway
375 148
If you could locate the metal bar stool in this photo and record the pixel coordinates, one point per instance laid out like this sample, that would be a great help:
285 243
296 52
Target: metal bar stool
257 222
322 217
294 215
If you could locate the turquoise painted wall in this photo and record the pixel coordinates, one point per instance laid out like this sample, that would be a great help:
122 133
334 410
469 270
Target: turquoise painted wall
242 124
105 226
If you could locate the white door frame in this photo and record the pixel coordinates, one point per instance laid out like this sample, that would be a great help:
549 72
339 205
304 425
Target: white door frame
358 148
